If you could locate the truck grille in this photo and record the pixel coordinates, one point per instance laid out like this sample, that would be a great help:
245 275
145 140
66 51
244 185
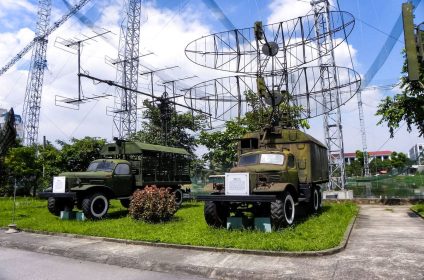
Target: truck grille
273 177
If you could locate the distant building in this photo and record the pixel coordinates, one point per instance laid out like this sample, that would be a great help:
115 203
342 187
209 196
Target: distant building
383 155
18 122
416 153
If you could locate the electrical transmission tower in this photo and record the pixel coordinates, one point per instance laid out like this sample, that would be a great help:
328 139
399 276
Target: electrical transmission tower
332 118
125 107
32 102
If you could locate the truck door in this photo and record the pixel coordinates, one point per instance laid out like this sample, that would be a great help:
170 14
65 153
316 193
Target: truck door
123 180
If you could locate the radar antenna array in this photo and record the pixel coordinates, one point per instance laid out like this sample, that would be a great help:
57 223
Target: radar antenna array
268 48
274 60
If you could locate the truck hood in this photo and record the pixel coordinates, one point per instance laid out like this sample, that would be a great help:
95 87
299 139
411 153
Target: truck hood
79 179
91 174
258 168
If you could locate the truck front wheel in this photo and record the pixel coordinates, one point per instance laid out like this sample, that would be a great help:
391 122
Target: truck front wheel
95 206
55 205
215 213
283 211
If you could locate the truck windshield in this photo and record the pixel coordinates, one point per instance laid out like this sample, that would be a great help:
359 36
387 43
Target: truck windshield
216 179
272 158
101 166
248 160
261 159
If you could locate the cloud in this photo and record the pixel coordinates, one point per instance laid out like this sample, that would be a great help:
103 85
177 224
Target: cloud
286 9
16 5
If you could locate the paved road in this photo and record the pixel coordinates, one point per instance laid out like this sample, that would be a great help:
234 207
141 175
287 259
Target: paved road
387 242
18 264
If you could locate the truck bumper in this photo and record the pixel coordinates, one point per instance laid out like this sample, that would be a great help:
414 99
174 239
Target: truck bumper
237 198
57 195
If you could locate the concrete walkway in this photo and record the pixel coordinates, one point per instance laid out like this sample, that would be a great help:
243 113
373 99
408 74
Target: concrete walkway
387 242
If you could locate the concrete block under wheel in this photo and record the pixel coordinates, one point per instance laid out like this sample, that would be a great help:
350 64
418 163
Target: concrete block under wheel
72 215
67 215
263 224
80 216
235 223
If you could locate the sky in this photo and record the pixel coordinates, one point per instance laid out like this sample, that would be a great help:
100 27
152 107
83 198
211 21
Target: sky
167 27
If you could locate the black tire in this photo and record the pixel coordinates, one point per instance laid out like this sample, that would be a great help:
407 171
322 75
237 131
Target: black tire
215 214
55 205
125 203
178 197
314 204
95 206
283 211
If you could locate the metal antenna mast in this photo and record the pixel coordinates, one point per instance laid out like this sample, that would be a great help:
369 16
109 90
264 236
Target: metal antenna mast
363 135
125 114
332 119
32 102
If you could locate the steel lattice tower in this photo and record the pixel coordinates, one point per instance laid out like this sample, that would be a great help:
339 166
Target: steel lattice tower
363 135
125 113
332 119
32 102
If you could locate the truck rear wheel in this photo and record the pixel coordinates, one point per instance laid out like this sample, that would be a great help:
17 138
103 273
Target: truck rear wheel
95 206
314 204
215 214
283 211
178 196
55 205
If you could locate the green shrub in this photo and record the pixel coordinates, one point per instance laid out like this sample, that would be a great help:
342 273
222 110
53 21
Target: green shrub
153 204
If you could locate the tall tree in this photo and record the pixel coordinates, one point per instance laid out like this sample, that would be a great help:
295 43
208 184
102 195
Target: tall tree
354 169
52 163
163 125
399 160
407 106
77 155
22 165
222 145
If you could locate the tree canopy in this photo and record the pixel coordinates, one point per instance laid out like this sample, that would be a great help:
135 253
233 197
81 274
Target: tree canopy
407 106
163 125
397 160
33 167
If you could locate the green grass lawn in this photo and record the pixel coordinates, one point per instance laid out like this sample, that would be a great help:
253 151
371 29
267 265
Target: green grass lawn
419 208
313 233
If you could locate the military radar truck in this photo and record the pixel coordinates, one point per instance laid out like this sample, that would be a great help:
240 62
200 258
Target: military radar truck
125 167
277 169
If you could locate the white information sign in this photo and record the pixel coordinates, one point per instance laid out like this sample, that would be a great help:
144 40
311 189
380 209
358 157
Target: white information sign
237 183
59 183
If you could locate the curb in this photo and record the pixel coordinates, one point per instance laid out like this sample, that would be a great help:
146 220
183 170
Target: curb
325 252
416 213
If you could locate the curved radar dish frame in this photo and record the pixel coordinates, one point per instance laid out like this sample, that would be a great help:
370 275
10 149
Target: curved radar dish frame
225 98
266 48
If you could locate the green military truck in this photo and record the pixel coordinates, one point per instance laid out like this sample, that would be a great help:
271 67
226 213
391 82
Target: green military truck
125 167
277 169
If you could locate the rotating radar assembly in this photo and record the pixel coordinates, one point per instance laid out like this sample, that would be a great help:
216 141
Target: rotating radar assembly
271 61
